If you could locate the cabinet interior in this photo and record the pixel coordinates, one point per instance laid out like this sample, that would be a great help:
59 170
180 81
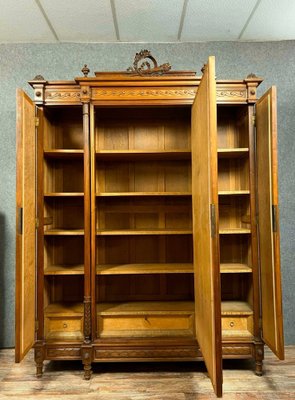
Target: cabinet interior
143 219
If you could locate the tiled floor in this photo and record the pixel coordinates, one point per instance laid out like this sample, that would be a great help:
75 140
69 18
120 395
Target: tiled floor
134 381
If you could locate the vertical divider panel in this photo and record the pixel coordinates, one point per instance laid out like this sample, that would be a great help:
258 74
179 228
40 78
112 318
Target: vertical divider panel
87 226
40 226
93 217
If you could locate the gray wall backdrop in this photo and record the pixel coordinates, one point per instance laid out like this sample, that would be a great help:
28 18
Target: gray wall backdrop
274 61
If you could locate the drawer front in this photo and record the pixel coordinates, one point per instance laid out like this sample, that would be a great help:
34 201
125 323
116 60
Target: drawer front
145 325
64 328
237 325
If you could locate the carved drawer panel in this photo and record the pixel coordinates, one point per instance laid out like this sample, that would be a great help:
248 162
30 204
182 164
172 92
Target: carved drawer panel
64 327
237 326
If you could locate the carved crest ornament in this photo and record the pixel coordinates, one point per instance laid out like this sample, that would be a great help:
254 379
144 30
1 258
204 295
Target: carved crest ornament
142 65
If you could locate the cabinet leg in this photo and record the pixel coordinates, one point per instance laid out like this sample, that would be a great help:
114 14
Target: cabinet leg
259 356
39 358
87 371
87 359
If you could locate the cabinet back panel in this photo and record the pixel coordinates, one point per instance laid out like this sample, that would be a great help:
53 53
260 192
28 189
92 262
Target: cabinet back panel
236 287
232 126
233 174
143 129
64 129
119 213
63 176
144 287
144 249
65 213
64 289
152 176
235 249
234 212
63 250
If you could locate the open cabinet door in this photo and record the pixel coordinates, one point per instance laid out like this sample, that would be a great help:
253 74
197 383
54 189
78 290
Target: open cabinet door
269 240
25 226
205 225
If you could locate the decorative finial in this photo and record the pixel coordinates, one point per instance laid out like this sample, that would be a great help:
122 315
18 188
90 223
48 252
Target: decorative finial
38 78
85 70
251 76
144 67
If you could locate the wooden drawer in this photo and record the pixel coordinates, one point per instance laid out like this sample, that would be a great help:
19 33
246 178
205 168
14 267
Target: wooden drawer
233 326
64 327
146 319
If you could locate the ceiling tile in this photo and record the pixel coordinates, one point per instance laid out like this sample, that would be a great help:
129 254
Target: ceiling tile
80 20
208 20
272 20
148 20
22 21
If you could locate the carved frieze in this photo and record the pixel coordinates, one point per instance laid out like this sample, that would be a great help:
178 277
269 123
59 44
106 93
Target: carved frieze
63 352
63 95
141 93
146 353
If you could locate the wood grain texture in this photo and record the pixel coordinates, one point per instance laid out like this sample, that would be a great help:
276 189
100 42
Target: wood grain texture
269 239
145 381
206 247
25 225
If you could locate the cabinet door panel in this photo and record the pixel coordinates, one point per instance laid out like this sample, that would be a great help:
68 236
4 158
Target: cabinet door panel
25 226
205 225
269 240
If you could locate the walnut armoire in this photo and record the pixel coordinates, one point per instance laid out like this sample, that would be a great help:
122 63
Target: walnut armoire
147 219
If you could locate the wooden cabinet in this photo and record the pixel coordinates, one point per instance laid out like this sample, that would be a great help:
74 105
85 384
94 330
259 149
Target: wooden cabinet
147 220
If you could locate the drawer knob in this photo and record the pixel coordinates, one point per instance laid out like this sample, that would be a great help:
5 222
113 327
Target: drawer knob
65 325
232 324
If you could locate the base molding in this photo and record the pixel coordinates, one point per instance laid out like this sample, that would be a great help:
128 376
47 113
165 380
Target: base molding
122 352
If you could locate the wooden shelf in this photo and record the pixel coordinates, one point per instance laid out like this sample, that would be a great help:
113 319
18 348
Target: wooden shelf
231 307
63 153
142 307
231 268
233 152
64 194
64 270
126 232
233 192
143 154
64 232
157 268
64 309
229 231
134 194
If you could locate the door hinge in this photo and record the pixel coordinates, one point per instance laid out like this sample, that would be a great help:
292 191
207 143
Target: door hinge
274 218
37 120
20 220
37 223
213 220
254 120
36 325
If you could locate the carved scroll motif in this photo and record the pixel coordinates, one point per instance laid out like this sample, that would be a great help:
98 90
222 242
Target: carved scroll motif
142 65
